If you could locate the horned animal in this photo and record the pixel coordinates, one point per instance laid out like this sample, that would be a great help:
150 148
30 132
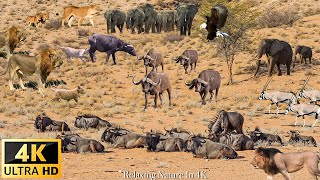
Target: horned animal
313 95
304 109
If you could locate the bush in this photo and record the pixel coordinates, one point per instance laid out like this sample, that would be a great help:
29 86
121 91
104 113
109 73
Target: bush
275 18
53 24
83 33
173 37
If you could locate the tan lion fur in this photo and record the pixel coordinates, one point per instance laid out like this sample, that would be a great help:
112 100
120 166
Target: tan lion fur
36 20
10 39
70 12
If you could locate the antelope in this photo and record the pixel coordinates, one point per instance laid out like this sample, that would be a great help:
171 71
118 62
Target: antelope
277 97
304 109
313 95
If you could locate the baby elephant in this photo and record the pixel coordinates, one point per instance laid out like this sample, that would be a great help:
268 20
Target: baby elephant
67 94
188 58
304 52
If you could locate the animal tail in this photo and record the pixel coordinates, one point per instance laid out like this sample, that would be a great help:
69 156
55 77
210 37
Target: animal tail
318 154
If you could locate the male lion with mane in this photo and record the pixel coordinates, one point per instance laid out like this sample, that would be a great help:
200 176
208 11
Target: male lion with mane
9 40
273 161
70 12
40 65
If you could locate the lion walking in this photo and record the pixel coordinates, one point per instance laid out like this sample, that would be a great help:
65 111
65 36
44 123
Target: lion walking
70 12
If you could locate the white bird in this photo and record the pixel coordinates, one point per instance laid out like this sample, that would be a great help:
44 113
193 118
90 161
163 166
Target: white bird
221 34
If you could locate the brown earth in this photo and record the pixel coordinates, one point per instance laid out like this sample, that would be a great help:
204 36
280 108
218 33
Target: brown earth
111 95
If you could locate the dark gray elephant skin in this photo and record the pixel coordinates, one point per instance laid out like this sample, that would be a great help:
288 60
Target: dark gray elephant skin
186 13
168 20
304 52
150 16
159 21
277 52
115 17
135 19
108 44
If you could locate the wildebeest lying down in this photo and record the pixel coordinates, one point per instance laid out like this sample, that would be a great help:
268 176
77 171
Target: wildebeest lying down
205 148
207 82
75 143
44 123
158 142
238 142
155 84
110 45
295 137
123 138
273 161
177 133
257 135
90 121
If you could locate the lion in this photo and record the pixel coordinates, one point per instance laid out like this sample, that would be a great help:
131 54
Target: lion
70 12
9 40
273 161
40 65
36 20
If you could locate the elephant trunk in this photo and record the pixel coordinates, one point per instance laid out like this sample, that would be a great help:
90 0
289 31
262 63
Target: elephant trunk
257 68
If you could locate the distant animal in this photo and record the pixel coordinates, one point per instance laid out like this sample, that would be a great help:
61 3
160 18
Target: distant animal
135 19
38 19
169 19
155 84
177 133
150 16
278 52
226 122
40 65
110 45
152 59
295 137
208 149
304 109
304 53
71 12
44 123
186 14
257 135
67 94
273 161
216 21
158 143
75 143
123 139
277 97
188 58
238 142
90 121
207 82
159 21
313 95
74 53
10 39
115 17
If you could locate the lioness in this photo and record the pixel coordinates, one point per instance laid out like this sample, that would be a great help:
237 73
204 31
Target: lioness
71 12
36 20
9 40
40 65
273 161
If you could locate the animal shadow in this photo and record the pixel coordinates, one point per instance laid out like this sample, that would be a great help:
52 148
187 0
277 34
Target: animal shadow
34 85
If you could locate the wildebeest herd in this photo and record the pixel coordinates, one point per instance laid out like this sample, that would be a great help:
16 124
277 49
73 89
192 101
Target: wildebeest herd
225 133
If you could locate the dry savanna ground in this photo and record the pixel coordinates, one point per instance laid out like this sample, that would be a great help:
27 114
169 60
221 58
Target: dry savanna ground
110 94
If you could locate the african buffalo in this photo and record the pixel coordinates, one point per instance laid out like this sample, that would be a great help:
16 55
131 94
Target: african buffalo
75 143
158 142
108 44
44 123
257 135
152 59
188 58
86 121
207 81
238 142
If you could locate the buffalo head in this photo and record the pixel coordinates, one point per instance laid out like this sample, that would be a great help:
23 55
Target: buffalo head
198 83
147 84
129 49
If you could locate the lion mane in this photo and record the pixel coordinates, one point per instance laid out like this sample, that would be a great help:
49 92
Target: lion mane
14 38
46 64
269 166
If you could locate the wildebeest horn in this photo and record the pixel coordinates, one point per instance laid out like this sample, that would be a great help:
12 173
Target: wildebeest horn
203 141
135 83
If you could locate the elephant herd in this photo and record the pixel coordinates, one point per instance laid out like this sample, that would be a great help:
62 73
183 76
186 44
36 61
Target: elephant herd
145 18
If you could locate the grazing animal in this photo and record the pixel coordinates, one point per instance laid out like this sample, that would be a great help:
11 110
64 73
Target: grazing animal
304 52
40 65
38 19
238 142
295 137
123 138
304 109
277 97
74 53
68 95
9 40
226 122
177 133
202 148
273 161
110 45
257 135
152 59
75 143
115 17
313 95
185 16
158 143
90 121
155 84
207 82
70 12
43 123
188 58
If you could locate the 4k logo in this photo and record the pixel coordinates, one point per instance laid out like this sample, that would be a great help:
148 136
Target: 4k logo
30 158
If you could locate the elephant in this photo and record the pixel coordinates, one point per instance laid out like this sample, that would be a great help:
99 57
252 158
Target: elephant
168 20
186 13
304 53
115 17
135 19
150 16
277 52
159 21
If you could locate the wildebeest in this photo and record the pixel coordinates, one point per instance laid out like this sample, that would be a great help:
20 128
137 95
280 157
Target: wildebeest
157 142
152 59
238 142
75 143
43 123
295 137
177 133
257 135
204 148
110 45
155 84
85 121
207 81
226 122
188 58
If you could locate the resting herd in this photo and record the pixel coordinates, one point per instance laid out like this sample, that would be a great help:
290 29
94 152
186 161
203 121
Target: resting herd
225 133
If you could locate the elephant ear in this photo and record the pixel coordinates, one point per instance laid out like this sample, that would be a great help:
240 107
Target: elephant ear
275 47
303 50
